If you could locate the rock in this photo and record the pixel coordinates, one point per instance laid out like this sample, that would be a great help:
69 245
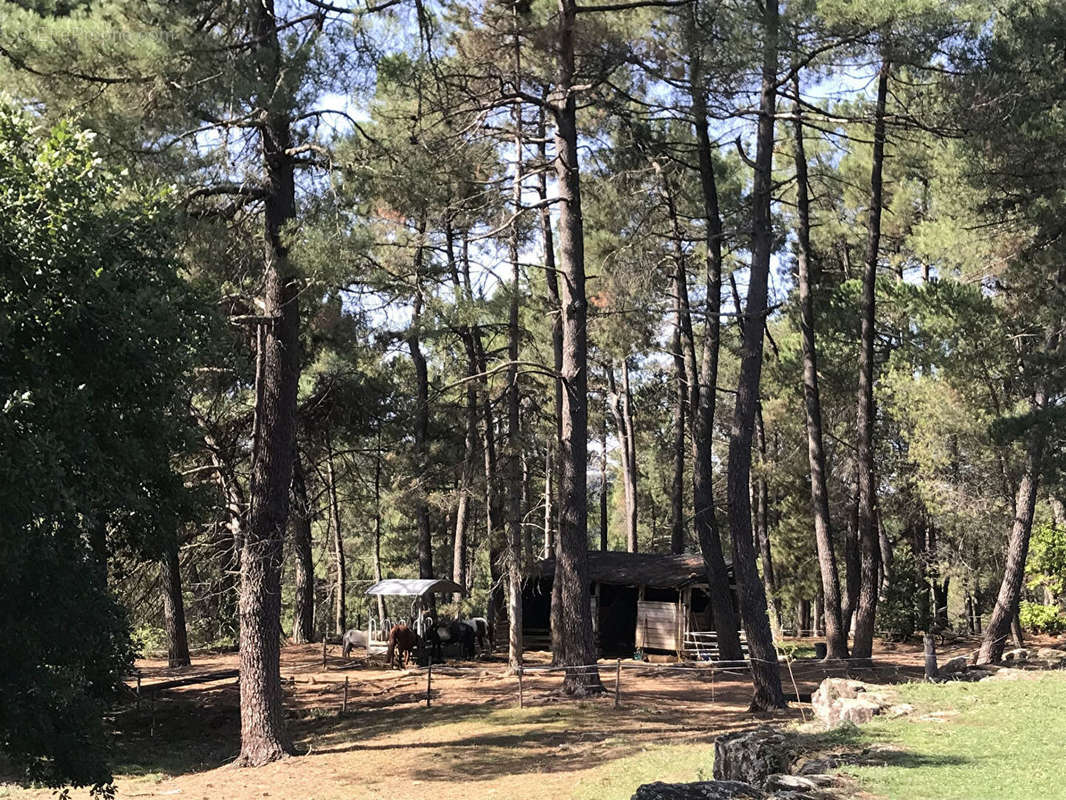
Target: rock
900 710
1018 655
839 700
957 664
752 756
1004 674
1051 657
804 783
701 790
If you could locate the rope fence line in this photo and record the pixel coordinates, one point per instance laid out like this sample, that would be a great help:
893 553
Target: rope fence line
701 669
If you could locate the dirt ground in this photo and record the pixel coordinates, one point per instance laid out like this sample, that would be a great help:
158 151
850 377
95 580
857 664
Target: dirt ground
473 742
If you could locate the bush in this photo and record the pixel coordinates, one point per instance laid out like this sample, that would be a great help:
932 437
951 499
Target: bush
1042 619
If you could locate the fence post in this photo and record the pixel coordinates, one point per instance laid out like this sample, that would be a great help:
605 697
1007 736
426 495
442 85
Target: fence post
344 705
618 683
521 695
931 670
429 681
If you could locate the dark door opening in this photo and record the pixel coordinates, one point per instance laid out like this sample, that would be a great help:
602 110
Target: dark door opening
618 620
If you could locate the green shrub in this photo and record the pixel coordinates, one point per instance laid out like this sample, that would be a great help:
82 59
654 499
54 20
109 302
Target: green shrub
1042 619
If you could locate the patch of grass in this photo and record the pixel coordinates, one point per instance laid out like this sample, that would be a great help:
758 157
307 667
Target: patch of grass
1005 742
619 778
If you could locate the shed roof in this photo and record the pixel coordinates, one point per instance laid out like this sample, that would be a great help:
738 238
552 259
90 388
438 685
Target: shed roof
415 587
638 569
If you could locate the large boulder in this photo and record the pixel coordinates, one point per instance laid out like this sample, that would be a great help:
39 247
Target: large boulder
838 701
1051 657
701 790
954 665
753 756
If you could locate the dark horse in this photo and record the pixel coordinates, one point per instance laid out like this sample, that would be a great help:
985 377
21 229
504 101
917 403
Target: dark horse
457 632
402 644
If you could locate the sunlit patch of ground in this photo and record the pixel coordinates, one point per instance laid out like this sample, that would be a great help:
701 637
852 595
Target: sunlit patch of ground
474 742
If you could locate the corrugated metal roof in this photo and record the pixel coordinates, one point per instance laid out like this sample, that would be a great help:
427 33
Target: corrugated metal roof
637 569
415 587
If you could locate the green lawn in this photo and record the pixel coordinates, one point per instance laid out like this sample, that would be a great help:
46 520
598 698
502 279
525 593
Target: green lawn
997 740
1006 742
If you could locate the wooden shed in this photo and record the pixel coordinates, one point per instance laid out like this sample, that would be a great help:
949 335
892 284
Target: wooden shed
639 601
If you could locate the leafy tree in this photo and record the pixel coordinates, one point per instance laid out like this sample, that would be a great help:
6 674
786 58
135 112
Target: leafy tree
96 338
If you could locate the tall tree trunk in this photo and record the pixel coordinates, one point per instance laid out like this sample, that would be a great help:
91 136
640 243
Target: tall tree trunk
303 611
885 545
382 613
851 562
494 524
703 392
575 641
263 735
466 476
835 634
174 609
604 515
418 358
764 670
555 308
677 483
620 405
514 422
549 513
1006 608
340 593
681 397
869 546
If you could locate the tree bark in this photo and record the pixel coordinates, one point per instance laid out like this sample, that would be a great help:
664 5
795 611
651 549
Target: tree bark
174 609
621 410
1006 608
575 641
764 669
604 511
549 514
340 594
835 634
382 612
681 397
703 392
303 611
851 562
869 546
263 735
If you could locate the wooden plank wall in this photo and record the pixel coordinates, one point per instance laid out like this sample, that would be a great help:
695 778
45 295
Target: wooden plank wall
657 625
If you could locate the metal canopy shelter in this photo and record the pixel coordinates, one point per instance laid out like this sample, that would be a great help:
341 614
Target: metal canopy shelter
419 588
414 587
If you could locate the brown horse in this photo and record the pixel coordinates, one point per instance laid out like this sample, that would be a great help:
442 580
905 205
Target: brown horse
402 644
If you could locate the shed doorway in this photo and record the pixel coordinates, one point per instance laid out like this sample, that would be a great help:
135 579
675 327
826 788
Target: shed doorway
617 620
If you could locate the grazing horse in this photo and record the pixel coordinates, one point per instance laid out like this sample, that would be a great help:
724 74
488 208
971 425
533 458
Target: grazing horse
458 632
402 644
480 626
353 639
